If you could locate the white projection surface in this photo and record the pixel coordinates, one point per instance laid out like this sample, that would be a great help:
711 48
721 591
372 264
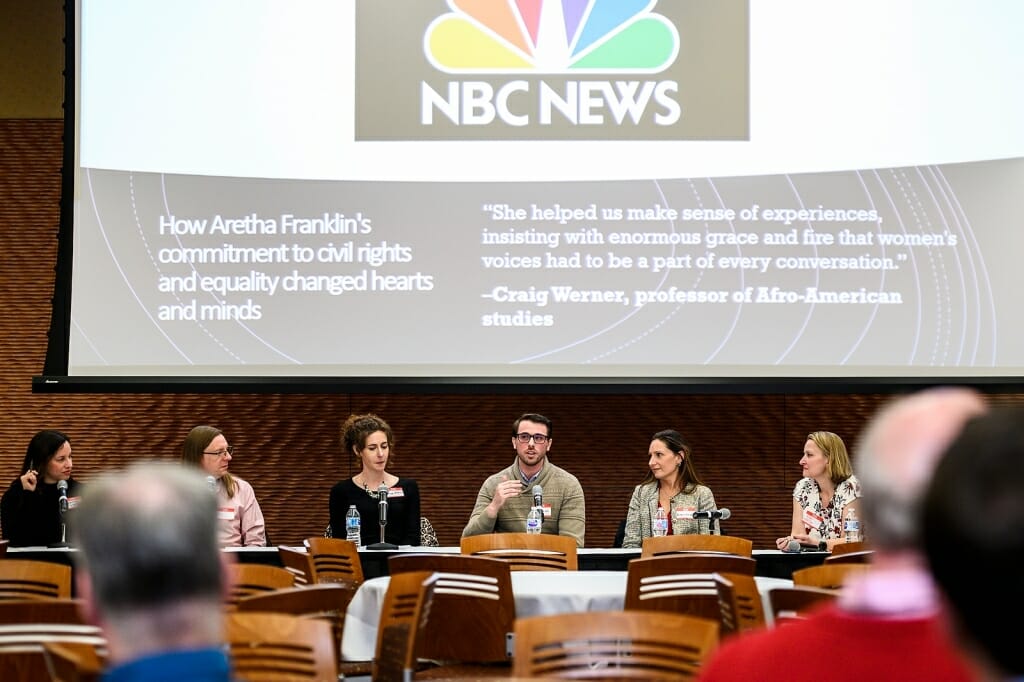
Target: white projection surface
562 190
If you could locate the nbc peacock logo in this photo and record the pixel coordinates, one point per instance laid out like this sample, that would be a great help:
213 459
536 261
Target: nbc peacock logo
537 70
551 37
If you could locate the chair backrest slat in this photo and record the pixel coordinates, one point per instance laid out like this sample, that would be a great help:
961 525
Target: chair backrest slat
524 551
670 544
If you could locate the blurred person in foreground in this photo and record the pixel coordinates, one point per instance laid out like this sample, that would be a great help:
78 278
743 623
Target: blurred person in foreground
506 497
151 574
973 524
888 623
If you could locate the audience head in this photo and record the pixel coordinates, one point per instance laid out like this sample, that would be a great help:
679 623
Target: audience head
358 427
973 531
897 455
150 565
675 442
49 453
837 462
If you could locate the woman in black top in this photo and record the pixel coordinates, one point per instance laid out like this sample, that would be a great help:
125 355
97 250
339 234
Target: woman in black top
370 438
30 511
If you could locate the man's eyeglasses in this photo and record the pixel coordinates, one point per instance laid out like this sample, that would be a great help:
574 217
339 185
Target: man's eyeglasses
538 438
229 450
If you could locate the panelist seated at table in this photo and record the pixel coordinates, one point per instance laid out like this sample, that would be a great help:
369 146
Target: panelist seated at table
506 498
239 512
825 494
30 511
371 439
672 484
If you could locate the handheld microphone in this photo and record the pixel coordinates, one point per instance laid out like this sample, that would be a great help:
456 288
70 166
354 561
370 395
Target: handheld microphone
793 546
62 490
382 503
538 496
722 513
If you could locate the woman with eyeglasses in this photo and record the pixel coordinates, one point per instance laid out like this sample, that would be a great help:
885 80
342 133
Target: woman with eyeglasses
371 440
31 510
672 484
240 514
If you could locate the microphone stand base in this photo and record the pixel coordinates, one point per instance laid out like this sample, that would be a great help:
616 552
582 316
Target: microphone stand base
56 545
382 545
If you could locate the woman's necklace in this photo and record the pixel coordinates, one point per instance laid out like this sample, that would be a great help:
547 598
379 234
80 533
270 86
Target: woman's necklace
371 492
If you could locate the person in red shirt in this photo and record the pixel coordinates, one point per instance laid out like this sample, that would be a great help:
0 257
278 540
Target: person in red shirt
888 623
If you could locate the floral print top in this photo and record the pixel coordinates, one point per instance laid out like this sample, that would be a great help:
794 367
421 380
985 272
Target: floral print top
808 495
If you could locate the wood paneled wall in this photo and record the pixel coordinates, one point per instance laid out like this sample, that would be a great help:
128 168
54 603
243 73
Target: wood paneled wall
746 447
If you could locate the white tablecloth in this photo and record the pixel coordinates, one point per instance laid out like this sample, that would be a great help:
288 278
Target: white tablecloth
537 593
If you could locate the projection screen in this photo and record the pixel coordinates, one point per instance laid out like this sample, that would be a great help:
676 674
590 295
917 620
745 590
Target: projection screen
543 189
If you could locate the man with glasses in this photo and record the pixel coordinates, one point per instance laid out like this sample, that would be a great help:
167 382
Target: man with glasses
506 497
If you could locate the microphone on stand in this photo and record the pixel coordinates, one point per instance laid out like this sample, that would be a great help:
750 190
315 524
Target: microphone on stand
62 502
382 508
538 496
211 483
712 514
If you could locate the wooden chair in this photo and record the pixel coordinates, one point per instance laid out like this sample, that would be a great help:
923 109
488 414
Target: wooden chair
276 646
249 579
472 615
525 552
848 547
335 559
862 557
670 544
788 604
739 603
326 601
403 617
613 645
298 563
28 627
72 663
681 583
827 576
30 579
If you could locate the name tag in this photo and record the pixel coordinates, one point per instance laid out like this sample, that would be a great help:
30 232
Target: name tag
682 512
812 519
73 502
547 510
225 513
396 492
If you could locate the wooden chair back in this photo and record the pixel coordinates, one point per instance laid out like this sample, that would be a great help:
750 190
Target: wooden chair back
681 583
30 579
249 579
739 603
298 563
3 546
862 557
829 576
788 604
848 547
473 610
613 645
525 552
670 544
275 646
325 601
403 617
72 662
335 559
28 627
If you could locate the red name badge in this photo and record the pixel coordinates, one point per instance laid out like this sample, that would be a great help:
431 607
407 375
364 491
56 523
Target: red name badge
682 512
396 492
225 513
812 519
547 510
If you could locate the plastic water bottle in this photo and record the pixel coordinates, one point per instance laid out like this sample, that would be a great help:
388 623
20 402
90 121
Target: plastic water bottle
534 520
660 523
352 525
851 526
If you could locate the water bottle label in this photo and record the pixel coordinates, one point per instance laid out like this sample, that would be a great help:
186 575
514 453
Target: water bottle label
532 524
352 523
661 526
851 525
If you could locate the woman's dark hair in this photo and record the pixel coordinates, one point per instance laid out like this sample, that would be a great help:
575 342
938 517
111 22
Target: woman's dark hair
41 449
688 478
